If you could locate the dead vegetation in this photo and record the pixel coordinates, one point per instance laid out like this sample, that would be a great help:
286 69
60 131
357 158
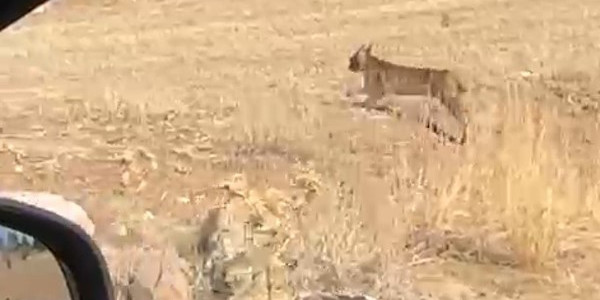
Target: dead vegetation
139 115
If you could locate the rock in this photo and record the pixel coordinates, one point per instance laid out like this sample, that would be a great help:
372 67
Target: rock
136 291
235 267
161 272
331 296
239 248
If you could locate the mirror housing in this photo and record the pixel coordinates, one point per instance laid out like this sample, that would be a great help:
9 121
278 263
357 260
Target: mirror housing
13 10
79 258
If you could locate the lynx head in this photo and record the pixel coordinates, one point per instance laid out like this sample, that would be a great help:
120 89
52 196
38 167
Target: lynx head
358 60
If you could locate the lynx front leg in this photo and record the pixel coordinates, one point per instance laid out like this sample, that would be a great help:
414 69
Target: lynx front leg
374 91
371 102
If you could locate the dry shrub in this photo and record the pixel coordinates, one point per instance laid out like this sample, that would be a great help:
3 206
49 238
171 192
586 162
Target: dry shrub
530 188
338 250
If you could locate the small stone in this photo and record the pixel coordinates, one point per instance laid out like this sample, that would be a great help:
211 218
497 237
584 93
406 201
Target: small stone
184 200
148 216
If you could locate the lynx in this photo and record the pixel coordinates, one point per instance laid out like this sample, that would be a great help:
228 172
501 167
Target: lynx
380 78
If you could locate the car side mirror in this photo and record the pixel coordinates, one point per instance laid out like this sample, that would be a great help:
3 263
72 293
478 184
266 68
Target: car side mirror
13 10
33 229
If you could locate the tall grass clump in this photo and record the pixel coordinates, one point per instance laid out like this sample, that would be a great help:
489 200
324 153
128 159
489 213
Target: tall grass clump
527 185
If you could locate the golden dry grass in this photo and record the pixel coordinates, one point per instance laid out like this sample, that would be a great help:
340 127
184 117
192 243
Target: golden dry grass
218 87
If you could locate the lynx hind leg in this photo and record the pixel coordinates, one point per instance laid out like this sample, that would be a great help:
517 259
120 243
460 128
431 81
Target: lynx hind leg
465 132
461 115
460 137
425 115
454 105
463 138
433 119
445 137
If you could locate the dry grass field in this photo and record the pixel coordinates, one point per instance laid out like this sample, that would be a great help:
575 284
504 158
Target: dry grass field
138 107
